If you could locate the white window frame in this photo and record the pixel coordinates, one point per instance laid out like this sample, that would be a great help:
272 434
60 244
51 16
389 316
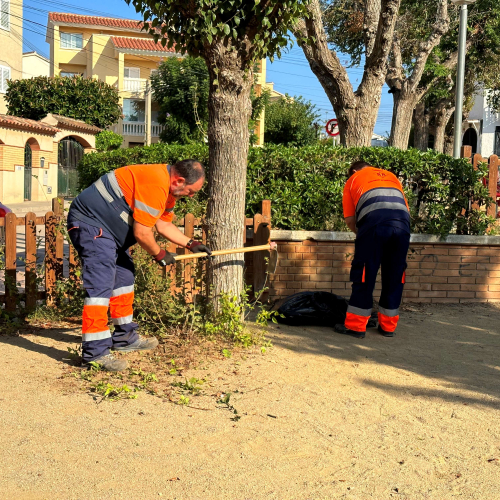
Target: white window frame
73 45
128 68
5 15
5 75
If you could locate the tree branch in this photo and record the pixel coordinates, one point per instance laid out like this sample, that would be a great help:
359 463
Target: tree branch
439 28
323 62
370 23
376 62
395 71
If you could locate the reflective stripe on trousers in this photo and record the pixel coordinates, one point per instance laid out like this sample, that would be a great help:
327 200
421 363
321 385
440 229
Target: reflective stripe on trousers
121 305
357 318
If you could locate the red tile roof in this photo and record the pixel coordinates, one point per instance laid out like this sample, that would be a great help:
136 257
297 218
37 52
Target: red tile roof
71 123
140 44
110 22
8 121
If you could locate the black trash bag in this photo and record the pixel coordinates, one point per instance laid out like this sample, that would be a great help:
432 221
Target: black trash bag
313 309
316 309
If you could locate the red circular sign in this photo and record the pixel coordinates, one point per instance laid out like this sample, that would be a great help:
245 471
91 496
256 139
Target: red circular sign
332 127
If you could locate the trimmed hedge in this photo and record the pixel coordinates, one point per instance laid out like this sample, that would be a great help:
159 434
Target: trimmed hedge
305 184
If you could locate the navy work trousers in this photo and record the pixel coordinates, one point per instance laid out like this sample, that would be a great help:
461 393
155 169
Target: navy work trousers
108 279
382 246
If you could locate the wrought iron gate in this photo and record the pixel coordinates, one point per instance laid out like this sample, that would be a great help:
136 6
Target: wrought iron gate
70 152
28 158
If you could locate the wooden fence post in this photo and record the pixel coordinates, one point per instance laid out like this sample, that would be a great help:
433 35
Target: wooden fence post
30 250
492 185
50 257
261 236
466 152
58 209
10 262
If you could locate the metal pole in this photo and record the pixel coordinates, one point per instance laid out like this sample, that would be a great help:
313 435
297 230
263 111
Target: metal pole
459 96
148 114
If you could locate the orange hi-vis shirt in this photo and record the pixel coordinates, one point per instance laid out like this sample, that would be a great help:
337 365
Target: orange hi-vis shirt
146 189
373 196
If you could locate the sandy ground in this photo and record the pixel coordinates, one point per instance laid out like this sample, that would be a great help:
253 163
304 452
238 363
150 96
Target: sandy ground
323 416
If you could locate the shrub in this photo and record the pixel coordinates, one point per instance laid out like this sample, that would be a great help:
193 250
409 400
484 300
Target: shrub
291 121
107 140
305 184
93 101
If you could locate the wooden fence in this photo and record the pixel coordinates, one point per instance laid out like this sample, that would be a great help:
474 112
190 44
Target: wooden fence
38 287
492 179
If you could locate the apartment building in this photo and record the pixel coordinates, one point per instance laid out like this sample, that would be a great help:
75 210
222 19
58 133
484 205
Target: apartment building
115 51
11 43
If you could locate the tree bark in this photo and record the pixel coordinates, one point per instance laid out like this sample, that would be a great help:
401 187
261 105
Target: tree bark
228 137
442 115
421 127
402 115
356 112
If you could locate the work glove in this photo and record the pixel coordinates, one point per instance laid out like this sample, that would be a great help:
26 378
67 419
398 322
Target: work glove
164 258
197 247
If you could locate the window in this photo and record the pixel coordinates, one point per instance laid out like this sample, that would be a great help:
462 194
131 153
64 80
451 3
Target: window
134 110
5 14
4 76
496 151
71 40
132 73
69 74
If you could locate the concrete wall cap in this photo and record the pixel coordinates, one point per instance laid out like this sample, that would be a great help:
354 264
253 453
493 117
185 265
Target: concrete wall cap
435 239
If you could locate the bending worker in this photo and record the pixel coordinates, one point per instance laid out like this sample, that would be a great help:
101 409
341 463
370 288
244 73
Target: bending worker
104 221
376 209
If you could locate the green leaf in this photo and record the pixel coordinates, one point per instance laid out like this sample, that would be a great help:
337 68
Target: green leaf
227 29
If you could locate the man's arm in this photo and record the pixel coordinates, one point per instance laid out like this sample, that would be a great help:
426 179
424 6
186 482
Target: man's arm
351 224
171 232
146 239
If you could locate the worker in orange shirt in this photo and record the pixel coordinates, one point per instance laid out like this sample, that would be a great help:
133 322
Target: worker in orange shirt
104 221
375 208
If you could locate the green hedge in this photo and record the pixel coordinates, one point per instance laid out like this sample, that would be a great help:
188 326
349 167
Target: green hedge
305 184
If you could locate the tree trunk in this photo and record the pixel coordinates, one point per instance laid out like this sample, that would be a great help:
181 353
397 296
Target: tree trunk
229 109
421 127
441 119
402 116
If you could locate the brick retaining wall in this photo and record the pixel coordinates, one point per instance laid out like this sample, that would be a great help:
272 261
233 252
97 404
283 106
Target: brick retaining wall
460 269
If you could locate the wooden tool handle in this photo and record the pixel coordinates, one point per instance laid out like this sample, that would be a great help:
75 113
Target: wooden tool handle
223 252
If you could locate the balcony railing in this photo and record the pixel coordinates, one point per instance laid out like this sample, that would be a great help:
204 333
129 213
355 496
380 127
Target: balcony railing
139 128
134 84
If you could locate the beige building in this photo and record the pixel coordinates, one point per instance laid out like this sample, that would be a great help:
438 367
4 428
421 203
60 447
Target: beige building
11 45
35 65
118 52
38 158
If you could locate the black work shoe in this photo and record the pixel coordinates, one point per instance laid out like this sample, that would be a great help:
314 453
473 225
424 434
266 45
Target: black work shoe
108 363
384 333
141 344
340 328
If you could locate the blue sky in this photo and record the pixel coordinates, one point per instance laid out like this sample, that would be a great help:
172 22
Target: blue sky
291 74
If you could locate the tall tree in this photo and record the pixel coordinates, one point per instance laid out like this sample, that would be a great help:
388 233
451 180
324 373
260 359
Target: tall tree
180 87
372 24
230 36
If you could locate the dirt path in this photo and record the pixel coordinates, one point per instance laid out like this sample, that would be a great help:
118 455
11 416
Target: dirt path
323 417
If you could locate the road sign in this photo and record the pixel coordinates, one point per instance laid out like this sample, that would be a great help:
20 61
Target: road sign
332 127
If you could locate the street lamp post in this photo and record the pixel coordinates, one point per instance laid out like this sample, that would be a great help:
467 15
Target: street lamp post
459 96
